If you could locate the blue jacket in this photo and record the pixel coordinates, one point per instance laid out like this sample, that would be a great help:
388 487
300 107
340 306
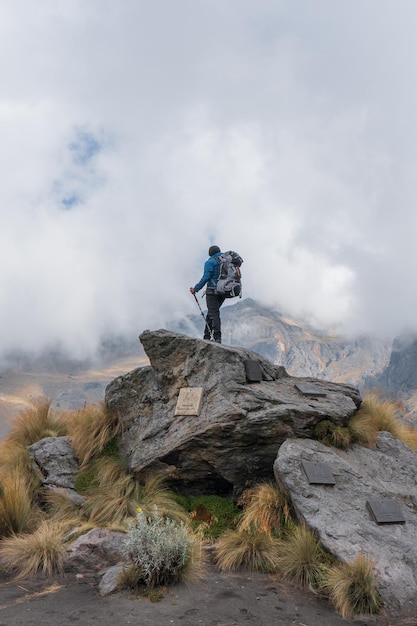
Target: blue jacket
210 273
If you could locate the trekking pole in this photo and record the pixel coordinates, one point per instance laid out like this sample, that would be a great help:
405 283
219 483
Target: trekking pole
204 318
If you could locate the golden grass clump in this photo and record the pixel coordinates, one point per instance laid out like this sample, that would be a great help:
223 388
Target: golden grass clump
91 429
38 553
62 510
266 509
375 415
113 503
408 435
16 510
36 423
363 430
153 493
14 457
118 494
331 434
351 588
302 559
252 549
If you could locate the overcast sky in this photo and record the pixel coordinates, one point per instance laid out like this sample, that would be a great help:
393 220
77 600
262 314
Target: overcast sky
134 134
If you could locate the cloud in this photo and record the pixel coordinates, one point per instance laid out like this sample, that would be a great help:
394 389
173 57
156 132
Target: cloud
134 135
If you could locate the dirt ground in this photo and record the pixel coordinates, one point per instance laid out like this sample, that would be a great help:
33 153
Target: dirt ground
241 599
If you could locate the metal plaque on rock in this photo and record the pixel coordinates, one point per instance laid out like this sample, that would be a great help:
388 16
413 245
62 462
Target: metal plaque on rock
190 400
385 511
253 371
318 473
310 390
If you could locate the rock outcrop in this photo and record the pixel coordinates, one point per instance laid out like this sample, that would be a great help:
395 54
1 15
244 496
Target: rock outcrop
55 464
253 422
234 439
95 551
340 516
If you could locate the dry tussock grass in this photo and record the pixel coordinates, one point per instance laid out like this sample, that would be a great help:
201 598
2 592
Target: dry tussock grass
154 493
331 434
408 435
112 504
254 550
266 509
90 430
302 559
363 430
35 423
40 552
376 415
116 501
16 510
351 588
62 510
14 458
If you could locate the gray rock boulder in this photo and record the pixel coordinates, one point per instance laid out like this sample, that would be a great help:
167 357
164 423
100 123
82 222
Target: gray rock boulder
109 582
235 437
54 462
340 516
94 551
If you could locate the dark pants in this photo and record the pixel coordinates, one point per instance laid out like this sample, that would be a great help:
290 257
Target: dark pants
214 302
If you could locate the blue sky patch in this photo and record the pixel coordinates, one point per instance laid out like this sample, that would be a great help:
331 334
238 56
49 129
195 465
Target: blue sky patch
84 148
70 202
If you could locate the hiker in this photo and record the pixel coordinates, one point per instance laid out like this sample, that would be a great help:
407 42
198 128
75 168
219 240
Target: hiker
214 300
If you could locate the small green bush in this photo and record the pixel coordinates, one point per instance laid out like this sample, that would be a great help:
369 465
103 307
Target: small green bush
159 548
84 481
211 515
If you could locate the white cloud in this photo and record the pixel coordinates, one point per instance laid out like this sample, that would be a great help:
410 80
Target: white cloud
136 134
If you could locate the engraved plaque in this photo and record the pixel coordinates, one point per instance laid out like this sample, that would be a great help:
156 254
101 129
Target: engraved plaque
318 473
253 371
385 511
189 401
310 390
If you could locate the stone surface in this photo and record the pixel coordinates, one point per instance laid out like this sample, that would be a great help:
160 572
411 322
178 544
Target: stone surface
94 551
339 514
54 461
235 439
109 580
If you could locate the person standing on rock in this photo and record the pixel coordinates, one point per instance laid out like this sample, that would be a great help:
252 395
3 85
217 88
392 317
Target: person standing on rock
214 300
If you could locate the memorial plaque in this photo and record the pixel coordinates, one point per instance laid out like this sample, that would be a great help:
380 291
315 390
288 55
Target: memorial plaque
385 511
310 390
318 473
253 371
189 401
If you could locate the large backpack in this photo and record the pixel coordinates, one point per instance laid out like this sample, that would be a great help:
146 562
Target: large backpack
229 282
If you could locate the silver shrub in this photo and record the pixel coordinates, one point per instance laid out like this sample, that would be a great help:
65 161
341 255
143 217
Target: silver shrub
159 548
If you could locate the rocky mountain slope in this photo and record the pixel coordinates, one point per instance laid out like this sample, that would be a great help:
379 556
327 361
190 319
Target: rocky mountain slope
301 349
398 380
